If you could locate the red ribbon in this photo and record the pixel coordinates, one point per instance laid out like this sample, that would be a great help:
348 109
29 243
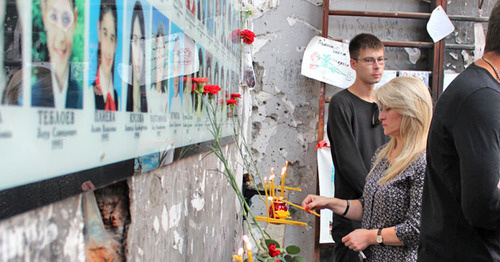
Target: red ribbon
321 144
110 104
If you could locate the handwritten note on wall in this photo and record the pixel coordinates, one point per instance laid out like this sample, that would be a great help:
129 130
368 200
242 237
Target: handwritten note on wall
328 61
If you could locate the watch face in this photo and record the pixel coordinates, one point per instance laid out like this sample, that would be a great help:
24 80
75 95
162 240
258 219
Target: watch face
379 238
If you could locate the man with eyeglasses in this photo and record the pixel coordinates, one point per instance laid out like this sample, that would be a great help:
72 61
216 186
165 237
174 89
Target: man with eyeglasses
355 132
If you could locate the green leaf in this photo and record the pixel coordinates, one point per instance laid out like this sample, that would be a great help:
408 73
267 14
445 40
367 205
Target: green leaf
272 241
292 250
185 150
288 258
298 259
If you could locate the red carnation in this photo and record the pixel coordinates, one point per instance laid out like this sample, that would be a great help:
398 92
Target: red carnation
273 251
200 80
232 102
247 36
211 89
235 96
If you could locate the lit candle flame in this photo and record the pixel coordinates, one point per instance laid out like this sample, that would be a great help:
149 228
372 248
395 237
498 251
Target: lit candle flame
246 239
240 251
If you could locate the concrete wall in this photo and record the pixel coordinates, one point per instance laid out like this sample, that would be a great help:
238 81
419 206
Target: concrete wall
285 105
51 233
185 211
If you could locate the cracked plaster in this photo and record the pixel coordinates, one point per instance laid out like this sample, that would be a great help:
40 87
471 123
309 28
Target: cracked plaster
185 212
284 106
53 232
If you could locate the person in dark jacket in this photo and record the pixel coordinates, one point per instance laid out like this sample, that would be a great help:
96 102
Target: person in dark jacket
461 202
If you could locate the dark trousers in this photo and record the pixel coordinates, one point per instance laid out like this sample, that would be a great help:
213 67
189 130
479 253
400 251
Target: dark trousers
342 227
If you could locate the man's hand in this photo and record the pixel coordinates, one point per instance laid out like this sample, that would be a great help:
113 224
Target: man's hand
315 202
359 239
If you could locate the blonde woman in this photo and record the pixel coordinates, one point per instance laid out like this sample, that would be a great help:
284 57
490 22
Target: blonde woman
389 209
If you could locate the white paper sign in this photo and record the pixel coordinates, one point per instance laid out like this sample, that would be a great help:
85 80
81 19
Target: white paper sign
479 41
328 61
448 78
439 24
326 188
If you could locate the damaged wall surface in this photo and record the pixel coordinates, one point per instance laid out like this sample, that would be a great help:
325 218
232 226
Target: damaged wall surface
185 211
388 29
285 105
51 233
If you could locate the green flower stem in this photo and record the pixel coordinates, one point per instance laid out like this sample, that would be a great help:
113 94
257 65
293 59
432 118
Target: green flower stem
219 153
247 163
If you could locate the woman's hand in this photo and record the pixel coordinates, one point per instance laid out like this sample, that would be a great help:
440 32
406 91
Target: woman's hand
359 239
315 202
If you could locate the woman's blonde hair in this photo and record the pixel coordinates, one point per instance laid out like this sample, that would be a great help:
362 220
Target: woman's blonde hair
411 98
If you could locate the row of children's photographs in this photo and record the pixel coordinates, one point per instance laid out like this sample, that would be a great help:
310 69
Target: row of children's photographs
390 74
129 55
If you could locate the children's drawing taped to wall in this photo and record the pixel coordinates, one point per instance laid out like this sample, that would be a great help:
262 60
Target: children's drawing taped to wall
328 61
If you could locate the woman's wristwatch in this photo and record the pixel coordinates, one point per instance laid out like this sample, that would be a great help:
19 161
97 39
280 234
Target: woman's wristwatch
379 238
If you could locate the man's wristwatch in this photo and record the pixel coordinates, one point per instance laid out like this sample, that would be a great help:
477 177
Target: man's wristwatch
379 239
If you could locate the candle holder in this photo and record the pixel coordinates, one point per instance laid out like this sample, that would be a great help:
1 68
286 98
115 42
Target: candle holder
277 207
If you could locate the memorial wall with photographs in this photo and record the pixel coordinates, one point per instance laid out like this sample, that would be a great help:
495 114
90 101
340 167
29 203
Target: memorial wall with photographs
88 83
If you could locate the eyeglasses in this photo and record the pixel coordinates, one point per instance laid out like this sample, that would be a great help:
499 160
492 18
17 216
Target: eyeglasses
375 113
371 60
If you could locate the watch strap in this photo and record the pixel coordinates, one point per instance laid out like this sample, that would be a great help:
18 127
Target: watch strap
380 240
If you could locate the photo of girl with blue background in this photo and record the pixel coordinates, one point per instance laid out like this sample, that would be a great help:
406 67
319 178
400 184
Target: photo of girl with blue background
105 54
